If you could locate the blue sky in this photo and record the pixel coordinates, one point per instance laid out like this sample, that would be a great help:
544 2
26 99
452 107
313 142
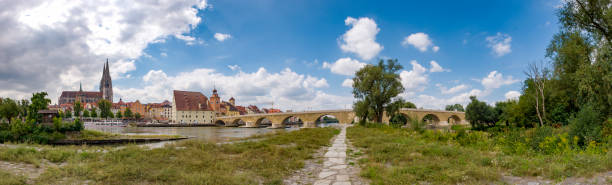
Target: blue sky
301 36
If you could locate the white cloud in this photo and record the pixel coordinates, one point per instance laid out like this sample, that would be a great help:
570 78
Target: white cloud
120 67
415 80
163 54
344 66
500 44
512 95
451 90
431 102
66 42
495 80
222 36
347 83
234 67
435 67
286 89
188 39
421 41
361 38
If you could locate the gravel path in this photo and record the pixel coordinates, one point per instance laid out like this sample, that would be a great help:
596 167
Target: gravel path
336 170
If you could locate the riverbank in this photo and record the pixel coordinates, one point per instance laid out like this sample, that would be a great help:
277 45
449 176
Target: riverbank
174 125
268 160
400 156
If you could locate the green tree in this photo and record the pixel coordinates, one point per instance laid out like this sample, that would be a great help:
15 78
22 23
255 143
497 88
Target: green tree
68 114
105 108
128 113
455 107
581 55
86 113
8 109
395 117
77 107
586 126
137 116
409 105
93 113
38 102
376 86
23 108
479 114
362 110
118 115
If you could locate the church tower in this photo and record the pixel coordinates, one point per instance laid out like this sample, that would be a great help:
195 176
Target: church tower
215 101
106 84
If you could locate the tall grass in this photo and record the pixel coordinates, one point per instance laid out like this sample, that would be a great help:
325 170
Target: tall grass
405 156
265 161
7 178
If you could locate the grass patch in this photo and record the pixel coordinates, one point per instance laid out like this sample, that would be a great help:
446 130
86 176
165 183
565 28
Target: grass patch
265 161
403 156
7 178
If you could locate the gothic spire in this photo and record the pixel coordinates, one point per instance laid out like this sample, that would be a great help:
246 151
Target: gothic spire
80 87
106 70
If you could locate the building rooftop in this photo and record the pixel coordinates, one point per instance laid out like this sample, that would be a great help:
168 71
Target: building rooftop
190 101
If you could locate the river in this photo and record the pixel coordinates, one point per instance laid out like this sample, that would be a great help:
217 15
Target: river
212 134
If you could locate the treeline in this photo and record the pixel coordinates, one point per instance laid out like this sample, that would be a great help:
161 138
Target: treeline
20 121
573 87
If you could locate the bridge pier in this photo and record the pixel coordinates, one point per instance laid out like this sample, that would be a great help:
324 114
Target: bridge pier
443 123
276 125
249 125
309 125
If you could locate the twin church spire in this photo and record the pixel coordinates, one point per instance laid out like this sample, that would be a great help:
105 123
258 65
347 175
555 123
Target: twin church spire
106 83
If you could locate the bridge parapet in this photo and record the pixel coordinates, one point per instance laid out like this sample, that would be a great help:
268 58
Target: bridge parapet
345 116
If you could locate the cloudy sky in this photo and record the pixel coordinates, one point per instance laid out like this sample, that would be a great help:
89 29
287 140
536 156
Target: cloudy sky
296 55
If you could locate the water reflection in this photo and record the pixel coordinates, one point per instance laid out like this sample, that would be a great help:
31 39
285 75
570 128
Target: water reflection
213 134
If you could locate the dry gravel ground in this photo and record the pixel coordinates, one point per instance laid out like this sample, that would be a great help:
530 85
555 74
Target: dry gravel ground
30 171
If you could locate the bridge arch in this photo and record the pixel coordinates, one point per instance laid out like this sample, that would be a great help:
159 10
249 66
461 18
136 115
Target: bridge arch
238 122
263 121
220 123
454 119
292 120
431 119
400 118
326 118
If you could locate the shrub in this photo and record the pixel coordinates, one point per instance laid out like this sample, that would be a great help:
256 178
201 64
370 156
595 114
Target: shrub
586 126
417 125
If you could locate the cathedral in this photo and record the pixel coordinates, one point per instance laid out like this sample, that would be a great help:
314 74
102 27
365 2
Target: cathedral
106 91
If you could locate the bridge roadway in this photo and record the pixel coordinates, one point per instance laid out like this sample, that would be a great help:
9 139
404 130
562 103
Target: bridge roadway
344 116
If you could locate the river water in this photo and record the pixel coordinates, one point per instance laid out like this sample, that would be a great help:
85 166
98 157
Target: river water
212 134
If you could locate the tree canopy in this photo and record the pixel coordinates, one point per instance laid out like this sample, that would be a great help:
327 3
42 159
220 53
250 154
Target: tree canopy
38 102
78 108
455 107
375 87
105 108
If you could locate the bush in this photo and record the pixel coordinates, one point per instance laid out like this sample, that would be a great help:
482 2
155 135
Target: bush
417 125
28 132
586 126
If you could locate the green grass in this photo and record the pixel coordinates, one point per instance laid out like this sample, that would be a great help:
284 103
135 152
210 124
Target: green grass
7 178
403 156
265 161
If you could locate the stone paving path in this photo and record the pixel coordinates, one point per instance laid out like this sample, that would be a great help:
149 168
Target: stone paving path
335 168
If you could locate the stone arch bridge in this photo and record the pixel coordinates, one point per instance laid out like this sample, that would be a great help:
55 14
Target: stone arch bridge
344 116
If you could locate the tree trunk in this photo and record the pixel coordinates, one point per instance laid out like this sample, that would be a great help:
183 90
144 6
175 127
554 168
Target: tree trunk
537 106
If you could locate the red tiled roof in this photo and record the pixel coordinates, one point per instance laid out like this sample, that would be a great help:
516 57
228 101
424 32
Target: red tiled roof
190 101
88 94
